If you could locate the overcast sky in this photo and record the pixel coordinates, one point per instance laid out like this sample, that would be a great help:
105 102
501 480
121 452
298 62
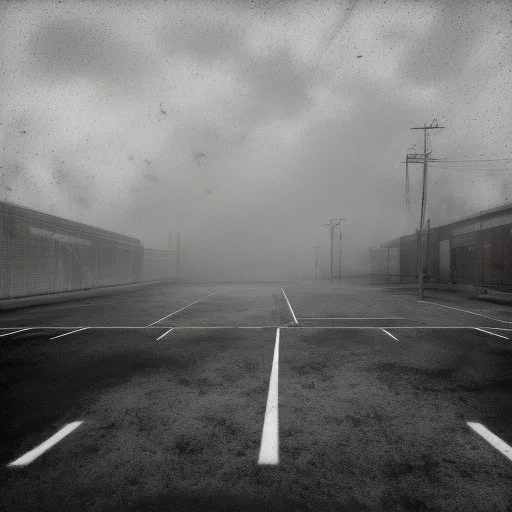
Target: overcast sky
245 125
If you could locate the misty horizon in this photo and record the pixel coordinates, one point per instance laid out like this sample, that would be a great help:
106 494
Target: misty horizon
246 126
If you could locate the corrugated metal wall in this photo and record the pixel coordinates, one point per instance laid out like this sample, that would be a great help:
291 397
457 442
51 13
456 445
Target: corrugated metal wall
409 259
41 254
444 262
477 252
159 264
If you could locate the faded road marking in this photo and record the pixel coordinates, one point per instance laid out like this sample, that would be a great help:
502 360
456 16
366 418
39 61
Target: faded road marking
341 327
67 333
289 305
389 334
492 439
164 334
493 333
352 318
15 332
269 449
463 311
43 447
181 309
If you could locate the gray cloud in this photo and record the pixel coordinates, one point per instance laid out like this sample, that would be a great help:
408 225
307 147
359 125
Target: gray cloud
70 47
251 147
445 53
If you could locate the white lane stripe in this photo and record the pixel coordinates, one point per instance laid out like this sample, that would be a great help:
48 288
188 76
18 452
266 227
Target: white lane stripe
43 447
269 449
389 334
67 333
289 305
181 309
164 334
489 332
15 332
464 311
362 327
352 318
492 439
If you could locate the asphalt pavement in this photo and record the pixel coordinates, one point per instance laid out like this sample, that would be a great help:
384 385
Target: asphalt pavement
283 396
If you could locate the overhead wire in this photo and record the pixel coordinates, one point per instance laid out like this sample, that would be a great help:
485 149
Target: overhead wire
336 33
474 160
465 169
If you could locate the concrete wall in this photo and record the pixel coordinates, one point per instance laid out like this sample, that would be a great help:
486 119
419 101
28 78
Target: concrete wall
44 254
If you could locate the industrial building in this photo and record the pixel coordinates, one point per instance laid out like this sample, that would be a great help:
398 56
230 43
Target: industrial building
43 254
476 250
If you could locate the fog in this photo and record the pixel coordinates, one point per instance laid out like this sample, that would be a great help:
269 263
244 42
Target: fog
245 126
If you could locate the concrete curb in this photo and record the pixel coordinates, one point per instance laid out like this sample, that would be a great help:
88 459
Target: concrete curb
52 298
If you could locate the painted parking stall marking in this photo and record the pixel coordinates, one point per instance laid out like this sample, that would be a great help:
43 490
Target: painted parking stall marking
463 311
389 334
165 334
353 318
492 439
290 306
68 333
15 332
269 449
181 309
32 455
489 332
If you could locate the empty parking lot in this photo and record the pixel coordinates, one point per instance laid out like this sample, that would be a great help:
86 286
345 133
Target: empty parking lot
258 397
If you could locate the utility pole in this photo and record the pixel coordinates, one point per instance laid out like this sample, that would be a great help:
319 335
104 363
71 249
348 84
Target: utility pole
341 234
178 259
332 224
316 260
428 240
423 201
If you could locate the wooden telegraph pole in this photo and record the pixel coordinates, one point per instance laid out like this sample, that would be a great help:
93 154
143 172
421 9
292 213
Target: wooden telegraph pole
423 201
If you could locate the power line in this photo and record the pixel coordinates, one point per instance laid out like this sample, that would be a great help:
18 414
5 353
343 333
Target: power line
473 160
473 169
341 25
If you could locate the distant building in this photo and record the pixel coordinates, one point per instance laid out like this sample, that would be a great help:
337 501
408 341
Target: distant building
476 250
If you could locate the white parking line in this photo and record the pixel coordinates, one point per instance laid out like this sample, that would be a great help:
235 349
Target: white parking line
351 318
269 449
489 332
362 327
289 305
463 311
15 332
43 447
164 334
184 307
492 439
67 333
389 334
